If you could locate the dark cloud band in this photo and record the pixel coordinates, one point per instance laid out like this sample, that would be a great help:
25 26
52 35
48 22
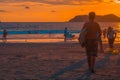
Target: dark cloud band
55 2
3 11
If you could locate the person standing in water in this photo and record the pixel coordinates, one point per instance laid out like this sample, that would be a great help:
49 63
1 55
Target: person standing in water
91 40
65 34
111 35
5 35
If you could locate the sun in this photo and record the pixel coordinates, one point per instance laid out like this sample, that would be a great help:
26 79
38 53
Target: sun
117 1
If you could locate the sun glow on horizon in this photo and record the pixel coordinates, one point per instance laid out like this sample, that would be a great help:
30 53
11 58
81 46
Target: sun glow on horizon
117 1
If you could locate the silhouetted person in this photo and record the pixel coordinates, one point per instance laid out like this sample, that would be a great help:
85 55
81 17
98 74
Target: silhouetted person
111 35
91 40
104 33
65 34
5 35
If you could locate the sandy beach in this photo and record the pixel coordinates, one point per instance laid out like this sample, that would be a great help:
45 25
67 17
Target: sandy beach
47 61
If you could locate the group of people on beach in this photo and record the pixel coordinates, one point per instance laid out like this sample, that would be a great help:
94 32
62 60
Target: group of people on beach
92 38
110 33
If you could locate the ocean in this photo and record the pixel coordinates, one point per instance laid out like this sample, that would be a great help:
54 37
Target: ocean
43 30
50 25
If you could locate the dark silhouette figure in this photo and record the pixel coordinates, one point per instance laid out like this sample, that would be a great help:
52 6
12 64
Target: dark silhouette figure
65 34
104 33
111 35
5 35
91 40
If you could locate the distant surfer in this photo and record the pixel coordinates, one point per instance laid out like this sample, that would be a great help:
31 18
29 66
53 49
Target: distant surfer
5 33
91 40
111 35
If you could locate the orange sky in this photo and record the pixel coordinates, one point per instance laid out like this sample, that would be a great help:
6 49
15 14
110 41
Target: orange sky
54 10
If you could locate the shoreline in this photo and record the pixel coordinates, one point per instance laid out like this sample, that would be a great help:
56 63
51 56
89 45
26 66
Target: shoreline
50 40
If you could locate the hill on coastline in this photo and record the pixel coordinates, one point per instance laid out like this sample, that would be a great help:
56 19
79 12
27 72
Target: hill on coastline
104 18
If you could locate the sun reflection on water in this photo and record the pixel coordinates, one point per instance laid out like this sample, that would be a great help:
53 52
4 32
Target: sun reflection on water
118 27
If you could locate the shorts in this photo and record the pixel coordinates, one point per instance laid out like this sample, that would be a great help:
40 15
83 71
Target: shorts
91 46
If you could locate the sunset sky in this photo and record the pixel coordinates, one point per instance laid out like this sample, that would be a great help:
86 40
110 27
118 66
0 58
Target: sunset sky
54 10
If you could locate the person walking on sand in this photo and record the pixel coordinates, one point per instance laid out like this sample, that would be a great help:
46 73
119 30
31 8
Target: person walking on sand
5 35
111 35
65 34
91 40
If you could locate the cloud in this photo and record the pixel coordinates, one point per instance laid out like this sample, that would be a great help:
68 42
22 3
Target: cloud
57 2
27 7
2 11
53 11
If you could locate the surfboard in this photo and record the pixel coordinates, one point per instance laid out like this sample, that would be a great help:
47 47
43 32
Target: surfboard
82 36
112 51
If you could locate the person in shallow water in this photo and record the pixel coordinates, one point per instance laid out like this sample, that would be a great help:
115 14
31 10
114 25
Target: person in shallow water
91 40
5 35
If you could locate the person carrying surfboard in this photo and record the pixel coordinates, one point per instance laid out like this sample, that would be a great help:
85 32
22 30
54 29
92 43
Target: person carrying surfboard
91 40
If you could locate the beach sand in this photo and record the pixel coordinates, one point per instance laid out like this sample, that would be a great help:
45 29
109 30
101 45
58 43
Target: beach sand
47 61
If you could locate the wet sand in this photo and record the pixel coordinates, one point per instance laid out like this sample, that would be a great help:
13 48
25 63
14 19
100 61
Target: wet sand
54 61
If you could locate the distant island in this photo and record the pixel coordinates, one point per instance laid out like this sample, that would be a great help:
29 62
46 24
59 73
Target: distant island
104 18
